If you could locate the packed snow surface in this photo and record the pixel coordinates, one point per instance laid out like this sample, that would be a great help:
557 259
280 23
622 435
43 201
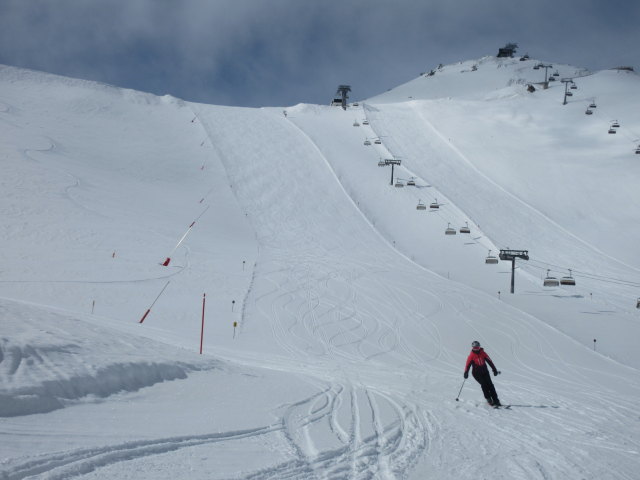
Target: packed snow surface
338 315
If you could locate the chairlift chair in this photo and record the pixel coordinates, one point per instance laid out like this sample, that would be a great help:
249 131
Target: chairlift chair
536 67
588 112
638 303
615 124
411 182
450 230
592 105
466 228
381 163
356 124
556 74
569 94
638 151
365 122
377 141
421 206
491 259
367 142
550 281
569 280
434 205
574 87
612 131
399 183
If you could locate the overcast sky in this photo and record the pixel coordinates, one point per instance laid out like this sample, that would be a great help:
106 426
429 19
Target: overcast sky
283 52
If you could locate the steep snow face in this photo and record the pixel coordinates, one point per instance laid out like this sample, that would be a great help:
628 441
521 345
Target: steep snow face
538 158
482 79
540 153
343 313
99 186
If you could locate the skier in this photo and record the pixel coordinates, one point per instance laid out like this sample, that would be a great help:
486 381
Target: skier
478 359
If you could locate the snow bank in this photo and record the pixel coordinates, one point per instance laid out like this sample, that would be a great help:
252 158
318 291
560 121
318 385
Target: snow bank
48 359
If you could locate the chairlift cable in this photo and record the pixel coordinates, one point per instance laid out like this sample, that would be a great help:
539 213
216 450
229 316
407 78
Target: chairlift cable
580 274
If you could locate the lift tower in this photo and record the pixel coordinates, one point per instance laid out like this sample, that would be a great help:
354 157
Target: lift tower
343 91
392 162
512 255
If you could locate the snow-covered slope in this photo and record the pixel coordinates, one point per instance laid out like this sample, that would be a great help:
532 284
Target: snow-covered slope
354 311
484 79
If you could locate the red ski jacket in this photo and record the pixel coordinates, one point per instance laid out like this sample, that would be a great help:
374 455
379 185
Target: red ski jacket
479 359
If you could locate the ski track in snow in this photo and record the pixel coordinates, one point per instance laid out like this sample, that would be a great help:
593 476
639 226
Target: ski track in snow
80 462
372 445
380 439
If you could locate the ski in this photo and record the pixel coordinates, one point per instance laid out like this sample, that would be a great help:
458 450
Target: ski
497 407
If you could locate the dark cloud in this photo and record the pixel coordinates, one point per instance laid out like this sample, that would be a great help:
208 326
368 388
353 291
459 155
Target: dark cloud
281 52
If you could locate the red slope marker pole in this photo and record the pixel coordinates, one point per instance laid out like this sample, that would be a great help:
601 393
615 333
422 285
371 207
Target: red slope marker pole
149 309
204 298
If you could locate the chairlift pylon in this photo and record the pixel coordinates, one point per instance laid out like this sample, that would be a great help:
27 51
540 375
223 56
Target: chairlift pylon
550 281
491 259
449 230
568 280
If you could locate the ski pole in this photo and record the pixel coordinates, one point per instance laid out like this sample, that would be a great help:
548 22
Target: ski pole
458 397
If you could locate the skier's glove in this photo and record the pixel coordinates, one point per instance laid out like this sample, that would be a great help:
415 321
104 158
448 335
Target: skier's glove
496 373
466 375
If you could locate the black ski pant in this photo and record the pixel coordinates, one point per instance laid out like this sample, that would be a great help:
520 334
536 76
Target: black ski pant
483 377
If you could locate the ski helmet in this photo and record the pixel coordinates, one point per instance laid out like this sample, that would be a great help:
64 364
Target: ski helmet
475 344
